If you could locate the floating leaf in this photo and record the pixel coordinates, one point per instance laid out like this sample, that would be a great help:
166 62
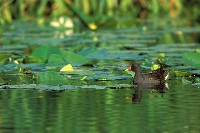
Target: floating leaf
1 81
73 58
161 54
6 41
67 68
76 48
192 58
55 58
88 50
162 59
31 59
45 51
51 78
4 57
92 52
155 67
197 80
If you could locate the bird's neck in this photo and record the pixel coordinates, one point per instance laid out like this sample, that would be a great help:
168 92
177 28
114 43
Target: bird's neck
138 74
138 77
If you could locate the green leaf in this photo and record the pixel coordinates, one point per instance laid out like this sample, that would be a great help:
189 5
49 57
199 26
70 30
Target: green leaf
45 51
131 73
185 81
31 59
4 57
1 81
73 58
197 80
6 41
88 50
54 58
83 78
86 19
198 50
76 48
51 78
92 51
192 58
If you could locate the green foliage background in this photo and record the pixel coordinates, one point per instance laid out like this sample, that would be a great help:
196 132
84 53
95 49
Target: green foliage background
95 10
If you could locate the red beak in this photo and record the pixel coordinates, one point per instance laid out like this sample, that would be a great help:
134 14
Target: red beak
129 68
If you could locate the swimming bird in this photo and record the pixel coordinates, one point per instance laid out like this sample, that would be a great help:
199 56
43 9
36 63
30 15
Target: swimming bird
154 77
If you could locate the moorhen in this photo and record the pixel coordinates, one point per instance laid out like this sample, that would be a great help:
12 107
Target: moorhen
155 77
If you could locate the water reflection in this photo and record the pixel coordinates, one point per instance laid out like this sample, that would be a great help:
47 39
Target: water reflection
158 88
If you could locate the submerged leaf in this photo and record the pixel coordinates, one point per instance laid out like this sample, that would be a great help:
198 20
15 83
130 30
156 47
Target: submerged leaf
51 78
185 81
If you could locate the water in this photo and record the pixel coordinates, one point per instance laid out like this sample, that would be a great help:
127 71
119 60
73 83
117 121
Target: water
103 106
103 110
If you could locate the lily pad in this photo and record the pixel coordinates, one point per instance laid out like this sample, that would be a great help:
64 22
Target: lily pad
192 58
197 80
55 58
31 59
45 51
74 58
88 50
3 58
92 51
51 78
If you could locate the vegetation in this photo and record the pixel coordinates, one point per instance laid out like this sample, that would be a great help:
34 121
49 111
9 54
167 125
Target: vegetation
101 13
69 16
84 46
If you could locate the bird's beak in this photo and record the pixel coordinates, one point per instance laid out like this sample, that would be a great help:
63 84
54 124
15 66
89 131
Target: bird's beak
128 69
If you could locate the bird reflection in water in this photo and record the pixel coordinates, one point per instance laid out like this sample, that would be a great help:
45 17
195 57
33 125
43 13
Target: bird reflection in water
158 88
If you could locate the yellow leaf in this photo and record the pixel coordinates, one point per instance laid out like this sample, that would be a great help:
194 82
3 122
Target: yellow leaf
67 68
155 67
161 54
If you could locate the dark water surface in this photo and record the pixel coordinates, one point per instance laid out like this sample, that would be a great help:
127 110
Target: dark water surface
100 110
92 106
